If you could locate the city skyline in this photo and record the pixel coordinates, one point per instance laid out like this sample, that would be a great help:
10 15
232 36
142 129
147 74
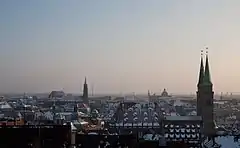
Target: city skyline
120 46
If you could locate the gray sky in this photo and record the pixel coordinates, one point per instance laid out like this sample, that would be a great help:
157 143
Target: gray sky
121 46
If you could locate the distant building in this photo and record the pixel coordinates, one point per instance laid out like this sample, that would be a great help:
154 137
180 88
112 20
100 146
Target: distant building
11 118
164 93
157 98
82 107
85 92
4 106
57 94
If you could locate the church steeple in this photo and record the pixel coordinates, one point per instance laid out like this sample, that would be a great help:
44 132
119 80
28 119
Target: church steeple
149 93
207 76
201 72
85 91
205 97
85 81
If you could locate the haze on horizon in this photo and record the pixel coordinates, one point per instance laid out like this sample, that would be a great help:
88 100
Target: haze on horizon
121 46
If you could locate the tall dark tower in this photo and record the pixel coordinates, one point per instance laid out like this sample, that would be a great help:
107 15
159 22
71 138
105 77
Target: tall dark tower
205 99
199 86
85 92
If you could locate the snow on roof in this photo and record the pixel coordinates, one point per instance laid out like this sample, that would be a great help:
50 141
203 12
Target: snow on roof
151 137
83 122
73 128
56 94
92 133
4 105
182 118
82 105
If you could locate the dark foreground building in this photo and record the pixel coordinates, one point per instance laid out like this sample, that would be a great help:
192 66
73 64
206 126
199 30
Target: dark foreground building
121 141
95 141
40 136
54 136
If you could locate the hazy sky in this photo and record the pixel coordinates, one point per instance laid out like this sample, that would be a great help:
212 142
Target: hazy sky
120 45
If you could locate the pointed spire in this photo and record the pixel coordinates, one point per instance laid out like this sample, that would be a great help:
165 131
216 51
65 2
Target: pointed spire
207 76
201 72
85 91
85 81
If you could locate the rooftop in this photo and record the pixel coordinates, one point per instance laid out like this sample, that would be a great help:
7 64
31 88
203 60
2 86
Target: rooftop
4 105
183 118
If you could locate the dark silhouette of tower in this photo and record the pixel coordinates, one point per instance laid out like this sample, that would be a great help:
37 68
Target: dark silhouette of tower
205 99
85 92
199 86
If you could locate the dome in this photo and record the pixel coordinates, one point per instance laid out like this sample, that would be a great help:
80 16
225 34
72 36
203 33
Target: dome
164 93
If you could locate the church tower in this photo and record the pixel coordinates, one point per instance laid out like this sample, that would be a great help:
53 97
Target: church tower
199 86
85 92
205 98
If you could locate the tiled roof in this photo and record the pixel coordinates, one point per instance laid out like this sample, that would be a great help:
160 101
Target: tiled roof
183 118
56 94
4 105
138 114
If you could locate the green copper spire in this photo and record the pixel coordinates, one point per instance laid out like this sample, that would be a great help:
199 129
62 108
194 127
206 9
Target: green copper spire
201 73
207 76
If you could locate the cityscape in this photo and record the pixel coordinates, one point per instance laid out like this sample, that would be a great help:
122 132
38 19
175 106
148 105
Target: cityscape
162 118
119 75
